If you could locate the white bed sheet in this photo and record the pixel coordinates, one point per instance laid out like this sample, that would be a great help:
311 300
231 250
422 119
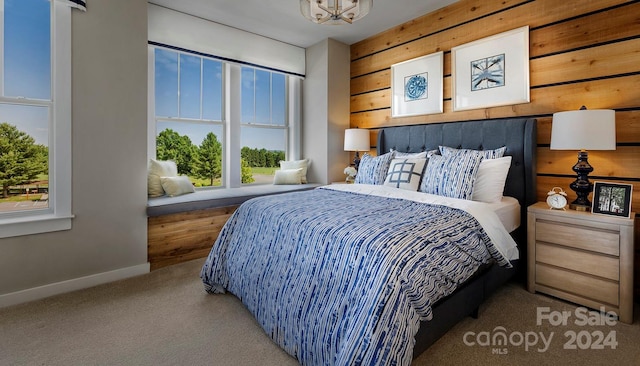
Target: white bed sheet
508 211
494 217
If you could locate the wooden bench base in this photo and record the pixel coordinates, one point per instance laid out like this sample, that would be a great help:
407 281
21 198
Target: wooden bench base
184 236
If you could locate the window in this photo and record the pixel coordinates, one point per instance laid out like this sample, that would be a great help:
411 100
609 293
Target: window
189 126
197 120
264 124
35 96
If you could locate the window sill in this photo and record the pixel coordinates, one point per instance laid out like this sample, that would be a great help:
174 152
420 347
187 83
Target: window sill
213 198
34 225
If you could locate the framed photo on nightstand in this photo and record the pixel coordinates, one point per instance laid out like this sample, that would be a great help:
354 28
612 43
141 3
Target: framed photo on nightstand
612 199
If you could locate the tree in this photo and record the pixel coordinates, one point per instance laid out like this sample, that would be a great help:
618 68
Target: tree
279 156
209 162
21 159
261 157
170 145
246 155
245 170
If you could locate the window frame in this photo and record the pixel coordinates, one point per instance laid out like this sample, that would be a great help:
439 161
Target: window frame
231 115
284 127
58 215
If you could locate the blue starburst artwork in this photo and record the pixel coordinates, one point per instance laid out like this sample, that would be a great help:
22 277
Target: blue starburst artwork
416 87
487 72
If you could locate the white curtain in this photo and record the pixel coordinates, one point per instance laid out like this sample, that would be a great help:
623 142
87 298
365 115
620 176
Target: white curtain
171 28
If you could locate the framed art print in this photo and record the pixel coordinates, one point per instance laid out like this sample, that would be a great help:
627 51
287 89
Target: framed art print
612 199
416 86
492 71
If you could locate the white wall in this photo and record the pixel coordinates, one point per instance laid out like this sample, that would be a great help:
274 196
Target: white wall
108 239
109 113
325 111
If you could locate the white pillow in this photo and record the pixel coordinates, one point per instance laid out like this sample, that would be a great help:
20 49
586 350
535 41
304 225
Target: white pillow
489 184
288 176
398 154
405 173
295 164
175 186
157 169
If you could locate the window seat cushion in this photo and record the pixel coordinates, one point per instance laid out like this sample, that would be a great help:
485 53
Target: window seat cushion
213 198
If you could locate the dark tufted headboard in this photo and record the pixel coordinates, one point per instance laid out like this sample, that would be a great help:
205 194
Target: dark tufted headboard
517 134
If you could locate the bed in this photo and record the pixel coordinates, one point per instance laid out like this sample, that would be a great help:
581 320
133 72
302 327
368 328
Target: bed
336 275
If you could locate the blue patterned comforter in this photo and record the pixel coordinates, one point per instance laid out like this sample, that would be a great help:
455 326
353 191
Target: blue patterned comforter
340 278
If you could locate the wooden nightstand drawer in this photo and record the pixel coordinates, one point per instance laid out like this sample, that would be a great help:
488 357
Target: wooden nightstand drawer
582 257
575 283
581 261
580 237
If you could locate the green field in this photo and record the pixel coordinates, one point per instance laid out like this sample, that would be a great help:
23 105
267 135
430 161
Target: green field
264 171
42 181
199 182
23 197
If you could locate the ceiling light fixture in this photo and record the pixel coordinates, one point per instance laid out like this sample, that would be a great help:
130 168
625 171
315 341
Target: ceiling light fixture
335 11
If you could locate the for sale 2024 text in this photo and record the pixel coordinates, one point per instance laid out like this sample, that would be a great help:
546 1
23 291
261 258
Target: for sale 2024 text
594 338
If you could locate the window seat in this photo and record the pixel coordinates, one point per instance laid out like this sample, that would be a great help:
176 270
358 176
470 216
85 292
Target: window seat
215 198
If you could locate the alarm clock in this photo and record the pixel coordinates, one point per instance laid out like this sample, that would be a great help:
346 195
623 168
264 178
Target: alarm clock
557 198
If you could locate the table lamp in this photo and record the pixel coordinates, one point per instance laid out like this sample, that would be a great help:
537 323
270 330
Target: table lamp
584 129
356 139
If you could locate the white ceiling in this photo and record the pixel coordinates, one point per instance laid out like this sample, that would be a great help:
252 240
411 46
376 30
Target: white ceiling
282 20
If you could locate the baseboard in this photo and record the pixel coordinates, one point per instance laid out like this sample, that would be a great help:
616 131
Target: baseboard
57 288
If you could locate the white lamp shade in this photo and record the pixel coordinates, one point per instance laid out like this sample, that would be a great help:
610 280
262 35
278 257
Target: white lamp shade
356 139
585 129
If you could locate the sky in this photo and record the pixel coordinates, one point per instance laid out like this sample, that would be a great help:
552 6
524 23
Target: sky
27 65
182 89
187 88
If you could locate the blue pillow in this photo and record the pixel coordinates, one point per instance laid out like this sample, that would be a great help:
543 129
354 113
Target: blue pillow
420 155
373 170
487 154
451 176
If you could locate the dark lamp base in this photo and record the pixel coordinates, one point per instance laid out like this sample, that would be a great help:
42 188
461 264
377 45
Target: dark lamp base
577 207
581 185
356 161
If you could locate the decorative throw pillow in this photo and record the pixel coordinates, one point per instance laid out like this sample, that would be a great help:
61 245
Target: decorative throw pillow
398 154
451 176
420 155
373 170
405 173
175 186
487 154
288 176
157 169
295 164
492 175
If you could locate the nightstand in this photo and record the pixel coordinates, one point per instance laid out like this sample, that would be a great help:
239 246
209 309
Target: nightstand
582 257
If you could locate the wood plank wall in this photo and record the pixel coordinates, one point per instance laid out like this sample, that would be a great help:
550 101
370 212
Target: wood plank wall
581 53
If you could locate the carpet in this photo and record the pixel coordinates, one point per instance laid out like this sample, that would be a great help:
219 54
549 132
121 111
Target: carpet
166 318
